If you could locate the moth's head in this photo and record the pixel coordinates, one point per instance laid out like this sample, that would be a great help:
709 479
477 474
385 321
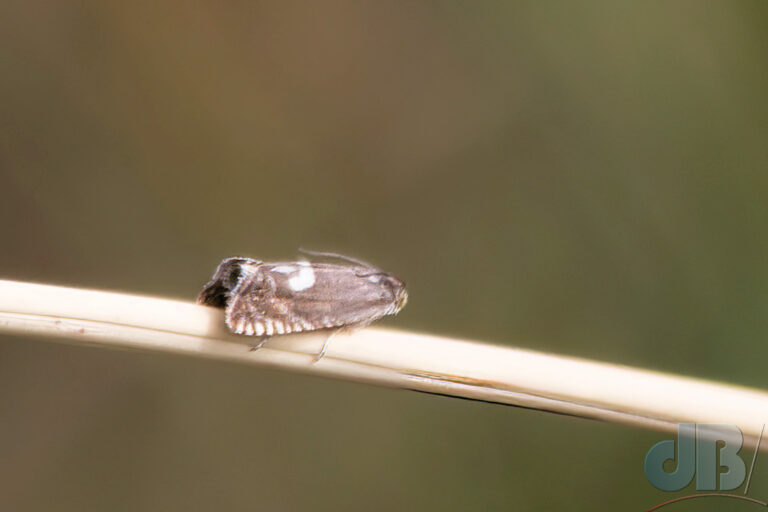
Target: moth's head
397 288
224 281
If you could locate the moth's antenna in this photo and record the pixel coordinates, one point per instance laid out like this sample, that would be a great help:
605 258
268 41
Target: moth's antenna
338 256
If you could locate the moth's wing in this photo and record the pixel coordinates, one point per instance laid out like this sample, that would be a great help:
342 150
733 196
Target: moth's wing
338 295
256 308
218 290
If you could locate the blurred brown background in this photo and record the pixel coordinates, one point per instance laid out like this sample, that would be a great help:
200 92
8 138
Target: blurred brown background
589 180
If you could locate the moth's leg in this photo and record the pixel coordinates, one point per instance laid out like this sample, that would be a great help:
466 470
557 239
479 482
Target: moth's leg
320 354
259 342
344 328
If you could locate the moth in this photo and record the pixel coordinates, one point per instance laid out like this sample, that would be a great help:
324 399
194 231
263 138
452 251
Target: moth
262 299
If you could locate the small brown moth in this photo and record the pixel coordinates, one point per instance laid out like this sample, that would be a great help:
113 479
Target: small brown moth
261 299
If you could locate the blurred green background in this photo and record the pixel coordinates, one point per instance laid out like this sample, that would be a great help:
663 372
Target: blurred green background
585 179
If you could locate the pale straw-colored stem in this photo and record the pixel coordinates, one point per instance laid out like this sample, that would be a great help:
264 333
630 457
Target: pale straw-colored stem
432 364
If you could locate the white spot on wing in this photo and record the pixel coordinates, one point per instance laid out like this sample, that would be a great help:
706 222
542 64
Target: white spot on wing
269 328
258 327
304 279
285 269
279 327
